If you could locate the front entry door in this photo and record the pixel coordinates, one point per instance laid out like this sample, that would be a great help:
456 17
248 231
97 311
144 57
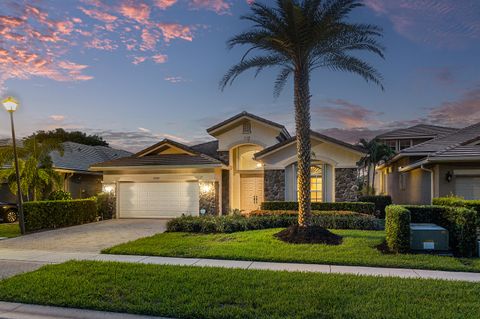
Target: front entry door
251 187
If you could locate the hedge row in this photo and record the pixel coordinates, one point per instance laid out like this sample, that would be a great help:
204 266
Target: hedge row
380 202
461 223
397 228
61 213
458 202
357 207
265 220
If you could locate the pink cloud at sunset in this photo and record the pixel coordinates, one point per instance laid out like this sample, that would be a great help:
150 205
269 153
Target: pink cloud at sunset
347 114
218 6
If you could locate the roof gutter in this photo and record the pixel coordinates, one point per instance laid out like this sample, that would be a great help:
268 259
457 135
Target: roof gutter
153 167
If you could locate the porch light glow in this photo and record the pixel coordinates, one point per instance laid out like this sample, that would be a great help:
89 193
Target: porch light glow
108 188
259 165
206 188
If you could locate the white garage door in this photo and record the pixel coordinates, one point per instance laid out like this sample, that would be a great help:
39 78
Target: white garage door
468 187
158 200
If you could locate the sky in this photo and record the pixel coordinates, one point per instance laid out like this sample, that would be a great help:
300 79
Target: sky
138 71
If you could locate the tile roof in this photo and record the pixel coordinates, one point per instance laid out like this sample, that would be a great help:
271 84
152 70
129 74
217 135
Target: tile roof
144 158
418 131
453 145
79 157
267 150
161 160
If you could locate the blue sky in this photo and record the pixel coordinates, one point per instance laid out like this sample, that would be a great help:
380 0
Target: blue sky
138 71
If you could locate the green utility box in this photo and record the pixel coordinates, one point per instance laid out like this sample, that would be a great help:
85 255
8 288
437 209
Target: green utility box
428 237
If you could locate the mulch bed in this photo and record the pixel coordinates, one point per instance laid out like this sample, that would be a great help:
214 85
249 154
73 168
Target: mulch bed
309 235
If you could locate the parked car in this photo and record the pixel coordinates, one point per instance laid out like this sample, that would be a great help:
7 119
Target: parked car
8 212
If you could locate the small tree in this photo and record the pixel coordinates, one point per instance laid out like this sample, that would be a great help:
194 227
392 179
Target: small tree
376 153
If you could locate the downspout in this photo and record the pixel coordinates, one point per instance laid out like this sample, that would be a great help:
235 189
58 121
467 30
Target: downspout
422 167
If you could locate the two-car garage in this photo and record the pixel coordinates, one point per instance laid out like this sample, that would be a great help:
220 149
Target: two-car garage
158 199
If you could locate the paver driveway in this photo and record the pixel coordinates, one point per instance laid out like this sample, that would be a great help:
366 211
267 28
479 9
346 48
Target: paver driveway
89 237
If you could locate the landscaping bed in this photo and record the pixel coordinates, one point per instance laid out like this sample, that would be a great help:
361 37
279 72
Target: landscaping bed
211 293
9 230
357 248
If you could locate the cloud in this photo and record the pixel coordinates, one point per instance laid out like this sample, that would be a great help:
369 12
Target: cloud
218 6
465 111
164 4
144 130
160 58
99 15
175 31
139 59
347 114
439 23
175 79
57 117
135 10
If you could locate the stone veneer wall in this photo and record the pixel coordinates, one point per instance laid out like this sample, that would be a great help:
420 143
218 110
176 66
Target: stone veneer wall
209 199
274 185
225 191
346 186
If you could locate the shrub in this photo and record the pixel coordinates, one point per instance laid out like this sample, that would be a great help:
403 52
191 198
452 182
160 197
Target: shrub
380 201
358 207
458 202
60 195
57 214
269 219
106 205
461 223
397 228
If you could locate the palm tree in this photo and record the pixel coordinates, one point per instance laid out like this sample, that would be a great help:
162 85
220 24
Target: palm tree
376 153
35 165
300 37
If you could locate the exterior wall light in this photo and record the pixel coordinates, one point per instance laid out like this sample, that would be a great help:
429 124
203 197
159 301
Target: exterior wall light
206 188
108 188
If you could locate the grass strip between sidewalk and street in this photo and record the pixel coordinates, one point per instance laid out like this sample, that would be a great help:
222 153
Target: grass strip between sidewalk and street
193 292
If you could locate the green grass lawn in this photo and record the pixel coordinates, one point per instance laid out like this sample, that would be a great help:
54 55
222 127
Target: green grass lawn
9 230
358 248
193 292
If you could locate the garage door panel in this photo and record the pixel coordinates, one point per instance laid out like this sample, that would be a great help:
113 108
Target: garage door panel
150 200
468 187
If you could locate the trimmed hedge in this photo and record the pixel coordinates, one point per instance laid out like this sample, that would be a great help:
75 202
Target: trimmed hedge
397 228
357 207
380 201
57 214
59 195
270 219
461 222
458 202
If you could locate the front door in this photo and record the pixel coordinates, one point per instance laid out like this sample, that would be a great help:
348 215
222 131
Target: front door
251 187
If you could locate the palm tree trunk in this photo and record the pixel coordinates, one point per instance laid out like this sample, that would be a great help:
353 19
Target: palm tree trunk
368 177
302 123
373 179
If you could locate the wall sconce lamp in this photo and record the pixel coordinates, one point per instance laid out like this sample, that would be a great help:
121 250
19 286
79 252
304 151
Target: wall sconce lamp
449 176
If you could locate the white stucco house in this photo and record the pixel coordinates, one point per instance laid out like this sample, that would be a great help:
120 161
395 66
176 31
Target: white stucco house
250 161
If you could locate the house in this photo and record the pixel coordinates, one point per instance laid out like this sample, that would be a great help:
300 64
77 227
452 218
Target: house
446 165
251 160
401 139
73 166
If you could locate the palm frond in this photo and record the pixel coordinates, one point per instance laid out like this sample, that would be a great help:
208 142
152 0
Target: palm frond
281 81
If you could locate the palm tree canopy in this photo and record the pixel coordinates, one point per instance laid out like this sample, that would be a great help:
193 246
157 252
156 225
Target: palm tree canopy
307 34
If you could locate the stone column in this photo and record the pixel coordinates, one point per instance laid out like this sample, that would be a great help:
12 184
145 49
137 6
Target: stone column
274 185
346 185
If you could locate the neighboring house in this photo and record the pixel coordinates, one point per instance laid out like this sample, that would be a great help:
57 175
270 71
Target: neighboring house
401 139
73 167
250 161
446 165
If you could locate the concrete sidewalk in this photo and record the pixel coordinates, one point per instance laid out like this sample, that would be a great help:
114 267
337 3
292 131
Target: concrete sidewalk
49 257
9 310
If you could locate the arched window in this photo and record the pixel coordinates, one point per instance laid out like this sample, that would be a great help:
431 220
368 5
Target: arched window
316 183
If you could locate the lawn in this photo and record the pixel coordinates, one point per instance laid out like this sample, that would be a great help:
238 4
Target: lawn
9 230
193 292
358 248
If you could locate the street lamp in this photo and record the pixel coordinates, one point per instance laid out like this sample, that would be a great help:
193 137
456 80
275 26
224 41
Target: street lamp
11 106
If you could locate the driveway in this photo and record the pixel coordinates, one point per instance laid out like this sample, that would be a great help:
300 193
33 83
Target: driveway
88 238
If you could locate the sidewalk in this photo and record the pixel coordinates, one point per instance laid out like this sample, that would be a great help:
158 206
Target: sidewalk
49 257
9 310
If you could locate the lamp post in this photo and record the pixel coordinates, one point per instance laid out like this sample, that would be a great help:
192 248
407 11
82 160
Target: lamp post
11 106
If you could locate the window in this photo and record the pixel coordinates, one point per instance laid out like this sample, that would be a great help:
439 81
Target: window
405 144
244 156
247 127
316 183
